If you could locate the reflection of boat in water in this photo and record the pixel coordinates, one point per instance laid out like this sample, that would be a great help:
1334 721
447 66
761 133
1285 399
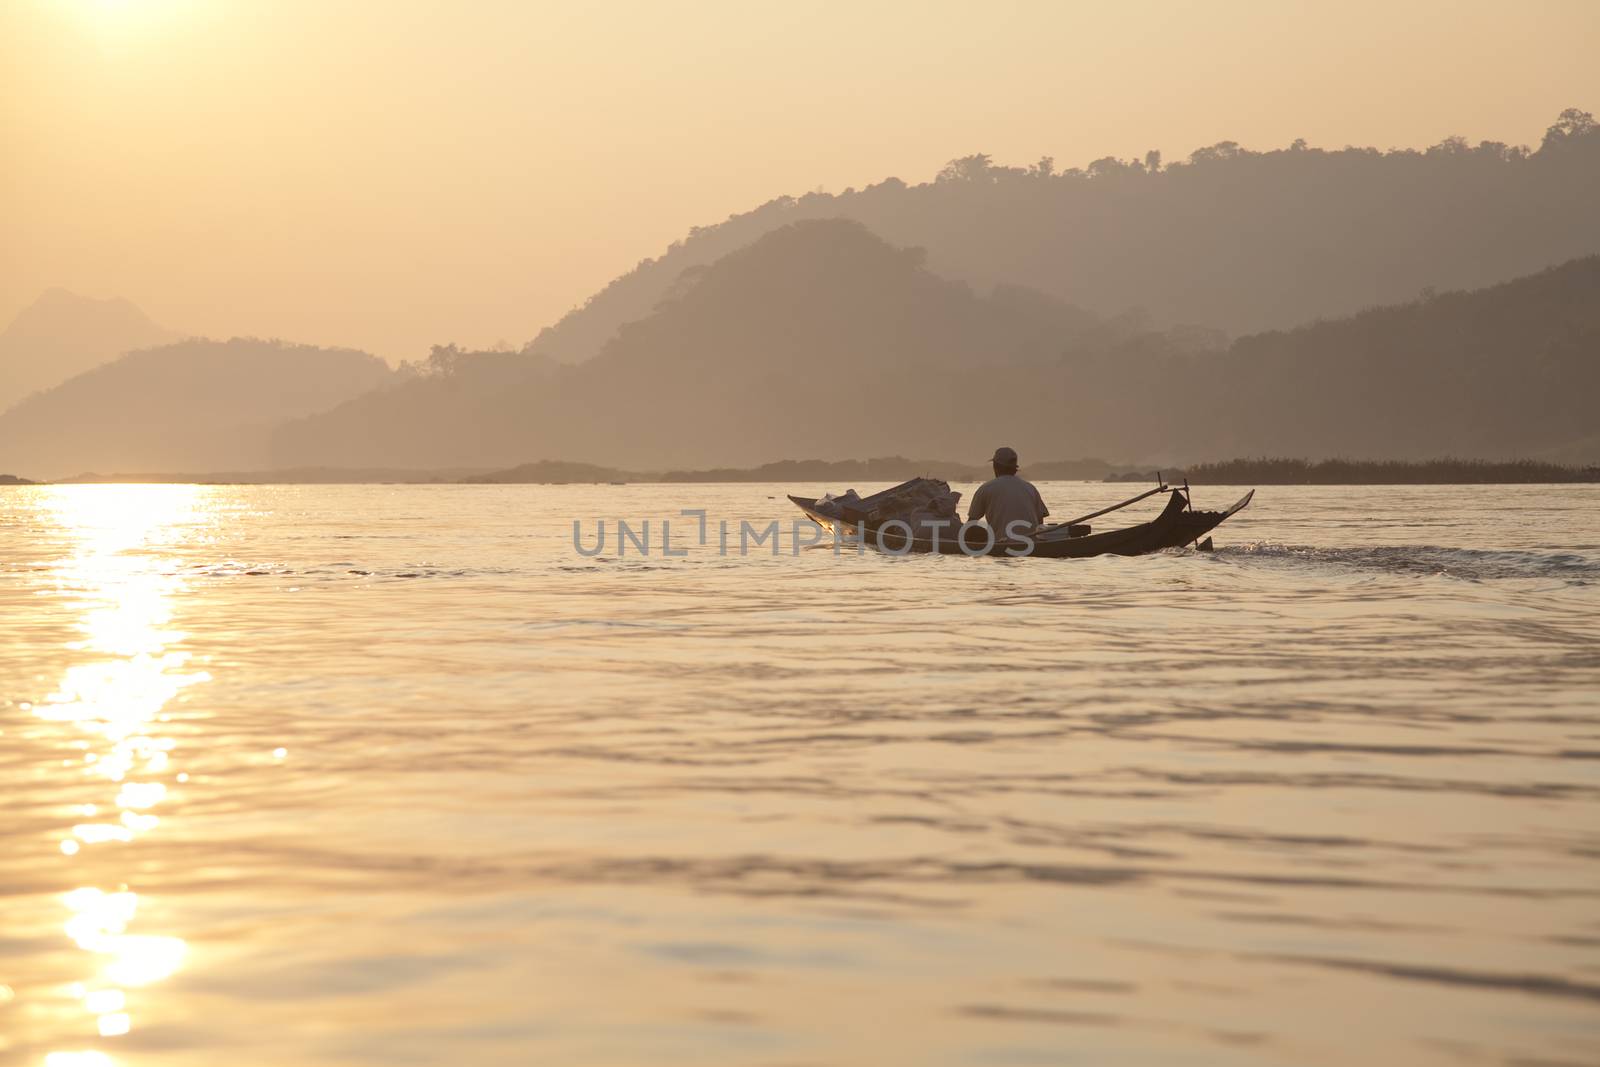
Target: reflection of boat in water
881 524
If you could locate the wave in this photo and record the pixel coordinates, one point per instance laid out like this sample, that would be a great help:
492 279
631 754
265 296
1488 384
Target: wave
1467 564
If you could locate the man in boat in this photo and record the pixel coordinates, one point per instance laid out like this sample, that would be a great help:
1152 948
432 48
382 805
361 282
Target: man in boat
1011 506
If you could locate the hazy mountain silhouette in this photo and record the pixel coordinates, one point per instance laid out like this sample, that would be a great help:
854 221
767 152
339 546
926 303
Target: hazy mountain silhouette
1231 238
481 407
817 328
62 334
822 340
193 405
1513 369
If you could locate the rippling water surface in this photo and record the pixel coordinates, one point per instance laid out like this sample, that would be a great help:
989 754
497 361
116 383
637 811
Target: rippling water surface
383 775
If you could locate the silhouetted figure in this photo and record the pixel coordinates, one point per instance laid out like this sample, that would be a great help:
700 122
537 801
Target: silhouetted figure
1011 506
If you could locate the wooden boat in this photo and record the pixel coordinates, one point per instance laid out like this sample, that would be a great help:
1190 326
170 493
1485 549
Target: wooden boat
1177 525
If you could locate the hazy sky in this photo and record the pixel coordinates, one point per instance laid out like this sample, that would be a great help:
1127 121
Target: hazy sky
392 174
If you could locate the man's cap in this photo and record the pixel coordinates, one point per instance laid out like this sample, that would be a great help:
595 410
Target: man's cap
1006 457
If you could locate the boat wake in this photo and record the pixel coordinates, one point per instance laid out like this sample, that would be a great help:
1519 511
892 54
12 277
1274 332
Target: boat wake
1467 564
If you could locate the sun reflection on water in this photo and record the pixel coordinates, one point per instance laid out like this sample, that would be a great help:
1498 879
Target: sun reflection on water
129 667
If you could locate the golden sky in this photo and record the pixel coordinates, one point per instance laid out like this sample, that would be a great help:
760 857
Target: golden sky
390 174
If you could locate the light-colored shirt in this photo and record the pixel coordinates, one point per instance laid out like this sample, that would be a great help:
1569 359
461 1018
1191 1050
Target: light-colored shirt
1007 499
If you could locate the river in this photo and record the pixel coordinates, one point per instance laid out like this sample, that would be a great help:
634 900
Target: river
315 775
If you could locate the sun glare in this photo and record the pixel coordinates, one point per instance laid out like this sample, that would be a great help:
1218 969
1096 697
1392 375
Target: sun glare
122 17
113 699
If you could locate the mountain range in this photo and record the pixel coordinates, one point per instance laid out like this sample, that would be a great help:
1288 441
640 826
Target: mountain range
1367 291
821 339
1229 239
63 334
191 405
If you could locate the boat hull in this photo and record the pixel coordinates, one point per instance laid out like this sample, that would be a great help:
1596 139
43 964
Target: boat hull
1176 526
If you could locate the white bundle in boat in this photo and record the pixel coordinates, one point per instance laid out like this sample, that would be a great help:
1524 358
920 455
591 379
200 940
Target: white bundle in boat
922 503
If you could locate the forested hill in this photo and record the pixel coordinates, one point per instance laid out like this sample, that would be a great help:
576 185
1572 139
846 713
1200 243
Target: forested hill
820 339
1229 238
1509 370
816 330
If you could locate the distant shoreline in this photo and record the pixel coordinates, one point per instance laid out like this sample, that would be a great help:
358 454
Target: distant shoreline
845 473
1376 472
